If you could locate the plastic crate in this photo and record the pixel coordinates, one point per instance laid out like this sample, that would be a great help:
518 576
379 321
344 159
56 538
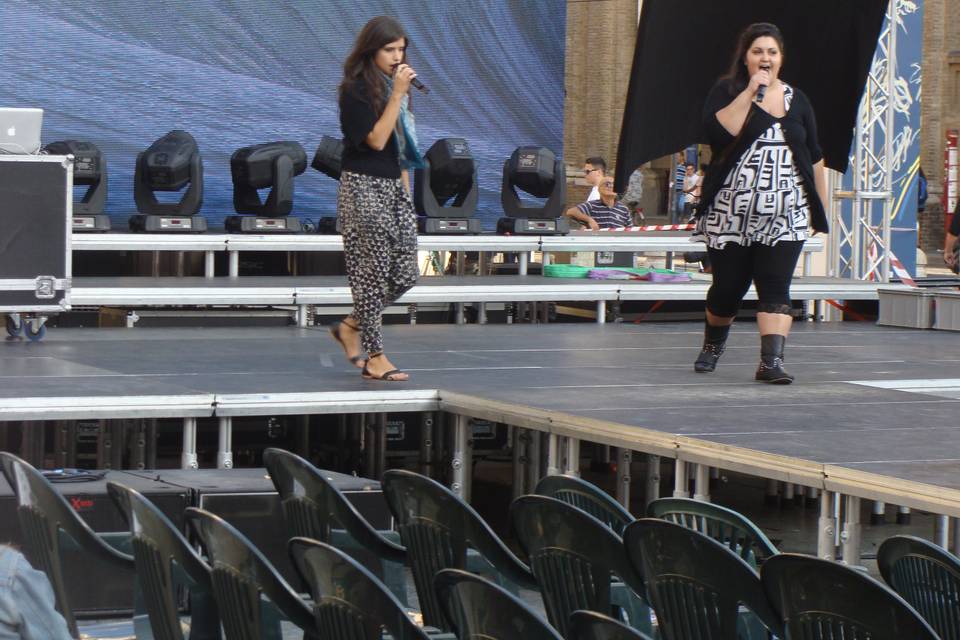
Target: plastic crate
947 316
906 307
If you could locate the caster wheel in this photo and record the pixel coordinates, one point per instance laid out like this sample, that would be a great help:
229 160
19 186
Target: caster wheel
35 333
14 327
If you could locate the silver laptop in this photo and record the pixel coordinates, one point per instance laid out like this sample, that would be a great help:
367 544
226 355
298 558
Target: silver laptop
20 130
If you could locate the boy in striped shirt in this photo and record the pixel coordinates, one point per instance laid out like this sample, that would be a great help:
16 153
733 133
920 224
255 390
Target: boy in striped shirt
605 213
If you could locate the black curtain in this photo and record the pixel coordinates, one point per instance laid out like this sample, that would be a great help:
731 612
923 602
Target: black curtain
683 46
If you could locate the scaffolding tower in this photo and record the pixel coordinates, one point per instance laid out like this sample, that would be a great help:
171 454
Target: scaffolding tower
859 246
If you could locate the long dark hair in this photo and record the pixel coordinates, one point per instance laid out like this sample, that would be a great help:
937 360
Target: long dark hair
360 68
737 73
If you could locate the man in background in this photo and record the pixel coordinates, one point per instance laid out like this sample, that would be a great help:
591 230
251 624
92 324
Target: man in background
605 213
594 170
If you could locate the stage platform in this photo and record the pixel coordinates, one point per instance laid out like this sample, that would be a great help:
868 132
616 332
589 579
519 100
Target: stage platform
873 412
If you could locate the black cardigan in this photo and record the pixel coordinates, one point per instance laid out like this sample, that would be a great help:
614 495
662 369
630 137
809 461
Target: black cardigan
799 129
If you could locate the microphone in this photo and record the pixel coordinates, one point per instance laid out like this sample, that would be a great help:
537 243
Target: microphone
415 82
762 90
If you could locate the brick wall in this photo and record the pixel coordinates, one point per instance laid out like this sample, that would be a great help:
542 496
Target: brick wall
599 55
941 106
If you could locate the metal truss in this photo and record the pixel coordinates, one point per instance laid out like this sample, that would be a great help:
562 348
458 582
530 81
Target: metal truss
859 245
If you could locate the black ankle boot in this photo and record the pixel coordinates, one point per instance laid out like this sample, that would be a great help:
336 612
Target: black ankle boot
771 360
714 341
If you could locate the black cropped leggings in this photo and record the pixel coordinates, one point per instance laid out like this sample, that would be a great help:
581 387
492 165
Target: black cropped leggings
770 268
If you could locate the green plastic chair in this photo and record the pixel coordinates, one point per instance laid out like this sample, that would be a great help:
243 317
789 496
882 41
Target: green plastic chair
574 557
586 497
438 529
926 576
590 625
823 600
726 526
696 585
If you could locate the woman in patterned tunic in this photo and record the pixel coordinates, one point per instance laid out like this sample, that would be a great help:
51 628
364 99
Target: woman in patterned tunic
765 185
377 218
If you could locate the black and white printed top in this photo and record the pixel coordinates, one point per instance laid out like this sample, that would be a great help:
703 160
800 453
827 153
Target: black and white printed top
762 199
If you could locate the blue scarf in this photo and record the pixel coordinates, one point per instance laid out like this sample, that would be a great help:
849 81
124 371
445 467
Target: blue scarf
405 133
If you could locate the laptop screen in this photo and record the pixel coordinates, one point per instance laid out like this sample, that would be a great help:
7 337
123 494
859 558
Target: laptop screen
20 130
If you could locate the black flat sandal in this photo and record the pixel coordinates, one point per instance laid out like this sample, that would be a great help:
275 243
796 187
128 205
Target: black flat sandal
386 376
335 332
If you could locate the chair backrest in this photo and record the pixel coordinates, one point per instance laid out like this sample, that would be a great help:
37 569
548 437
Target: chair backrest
726 526
696 584
587 497
240 575
43 514
573 556
350 603
437 528
821 600
478 609
313 506
590 625
926 576
157 545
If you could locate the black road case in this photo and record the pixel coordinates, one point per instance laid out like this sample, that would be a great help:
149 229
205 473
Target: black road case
36 208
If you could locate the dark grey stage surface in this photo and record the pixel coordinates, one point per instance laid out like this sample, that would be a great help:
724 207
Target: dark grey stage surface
867 398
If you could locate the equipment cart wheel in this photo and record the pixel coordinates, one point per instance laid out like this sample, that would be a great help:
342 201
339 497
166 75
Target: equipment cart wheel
35 328
14 325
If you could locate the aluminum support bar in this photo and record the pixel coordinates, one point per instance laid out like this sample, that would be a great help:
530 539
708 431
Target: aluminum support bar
188 458
225 443
571 466
553 454
680 479
827 527
651 480
462 458
701 483
852 531
624 461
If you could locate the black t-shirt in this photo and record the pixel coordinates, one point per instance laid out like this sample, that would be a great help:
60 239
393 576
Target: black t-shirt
357 118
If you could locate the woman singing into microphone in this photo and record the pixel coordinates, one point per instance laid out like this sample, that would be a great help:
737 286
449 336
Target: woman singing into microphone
765 184
377 218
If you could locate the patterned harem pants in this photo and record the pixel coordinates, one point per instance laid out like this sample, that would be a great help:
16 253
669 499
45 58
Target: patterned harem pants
379 227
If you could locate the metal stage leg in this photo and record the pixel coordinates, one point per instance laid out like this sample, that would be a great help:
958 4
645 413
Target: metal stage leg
462 461
482 313
302 315
812 494
31 442
903 515
827 527
553 454
225 444
601 311
852 531
544 312
818 310
234 263
571 465
482 260
773 492
534 449
524 262
209 270
412 311
379 443
427 421
941 531
624 460
701 483
652 480
680 479
954 536
668 260
459 316
188 459
878 513
789 491
520 471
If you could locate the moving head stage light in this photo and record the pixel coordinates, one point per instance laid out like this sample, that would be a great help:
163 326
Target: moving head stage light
450 172
538 172
272 165
327 160
169 164
90 170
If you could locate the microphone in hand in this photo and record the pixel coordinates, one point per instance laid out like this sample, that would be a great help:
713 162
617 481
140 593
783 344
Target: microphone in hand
762 89
419 85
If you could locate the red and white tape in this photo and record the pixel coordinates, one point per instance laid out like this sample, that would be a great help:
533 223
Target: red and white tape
656 227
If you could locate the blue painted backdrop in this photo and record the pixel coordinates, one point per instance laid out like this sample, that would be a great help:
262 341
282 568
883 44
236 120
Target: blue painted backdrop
121 73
